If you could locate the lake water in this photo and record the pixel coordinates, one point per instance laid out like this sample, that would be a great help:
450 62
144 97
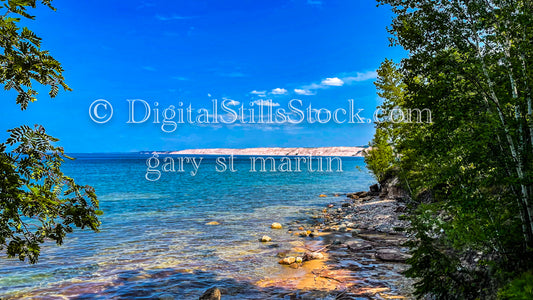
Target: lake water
154 241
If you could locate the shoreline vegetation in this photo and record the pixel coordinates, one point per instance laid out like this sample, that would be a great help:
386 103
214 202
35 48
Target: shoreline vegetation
273 151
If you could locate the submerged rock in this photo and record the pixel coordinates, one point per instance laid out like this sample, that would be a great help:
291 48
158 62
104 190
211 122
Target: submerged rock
265 239
211 294
276 226
212 223
322 196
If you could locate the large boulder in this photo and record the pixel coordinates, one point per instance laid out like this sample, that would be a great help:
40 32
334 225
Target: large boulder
374 189
391 189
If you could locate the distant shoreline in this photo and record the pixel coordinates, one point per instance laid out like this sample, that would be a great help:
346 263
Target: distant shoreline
274 151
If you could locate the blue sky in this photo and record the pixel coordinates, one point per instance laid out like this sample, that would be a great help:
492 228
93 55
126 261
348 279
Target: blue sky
321 52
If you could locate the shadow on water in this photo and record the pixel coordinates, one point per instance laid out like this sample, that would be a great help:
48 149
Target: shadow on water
181 284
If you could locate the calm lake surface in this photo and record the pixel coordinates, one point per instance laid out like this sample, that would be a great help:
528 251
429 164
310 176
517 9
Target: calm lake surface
154 241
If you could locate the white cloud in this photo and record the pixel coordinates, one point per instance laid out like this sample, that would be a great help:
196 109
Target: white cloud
264 102
230 101
278 91
233 102
254 92
303 92
361 77
208 95
335 81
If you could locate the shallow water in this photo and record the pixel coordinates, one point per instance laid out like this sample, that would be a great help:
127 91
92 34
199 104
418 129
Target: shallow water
154 241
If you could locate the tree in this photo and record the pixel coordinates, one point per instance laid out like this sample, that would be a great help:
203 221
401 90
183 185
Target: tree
470 170
37 201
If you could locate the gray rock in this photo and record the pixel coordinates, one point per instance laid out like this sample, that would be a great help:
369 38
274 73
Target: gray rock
391 255
358 246
211 294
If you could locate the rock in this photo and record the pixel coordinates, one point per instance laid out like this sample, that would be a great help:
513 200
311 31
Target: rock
282 254
212 223
358 246
345 204
374 188
211 294
265 239
313 255
287 260
362 194
322 195
391 255
299 260
391 189
276 226
330 205
305 233
353 196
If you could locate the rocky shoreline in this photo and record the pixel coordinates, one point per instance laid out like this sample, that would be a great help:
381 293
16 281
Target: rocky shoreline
351 249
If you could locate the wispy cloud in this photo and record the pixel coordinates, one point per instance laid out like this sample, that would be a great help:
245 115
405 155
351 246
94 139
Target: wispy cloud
180 78
254 92
335 81
361 76
303 92
278 91
173 17
232 102
263 102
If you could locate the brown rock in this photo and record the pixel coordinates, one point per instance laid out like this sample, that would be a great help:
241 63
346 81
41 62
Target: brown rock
353 196
211 294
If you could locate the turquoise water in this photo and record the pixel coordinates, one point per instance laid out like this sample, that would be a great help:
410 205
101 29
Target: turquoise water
154 241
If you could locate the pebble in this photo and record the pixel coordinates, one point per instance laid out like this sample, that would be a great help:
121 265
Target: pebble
288 260
276 226
265 239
